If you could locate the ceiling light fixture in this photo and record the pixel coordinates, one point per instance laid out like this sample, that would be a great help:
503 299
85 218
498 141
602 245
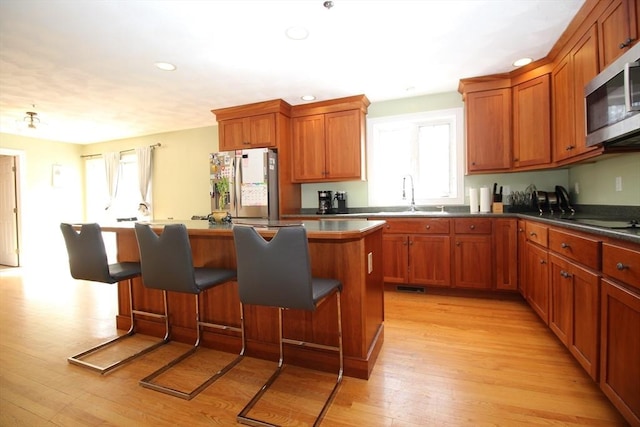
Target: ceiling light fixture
165 66
31 119
522 61
297 33
308 97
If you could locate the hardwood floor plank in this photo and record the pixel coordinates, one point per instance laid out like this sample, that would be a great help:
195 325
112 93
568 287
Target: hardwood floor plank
446 361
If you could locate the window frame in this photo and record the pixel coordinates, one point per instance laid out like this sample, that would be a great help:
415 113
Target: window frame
455 116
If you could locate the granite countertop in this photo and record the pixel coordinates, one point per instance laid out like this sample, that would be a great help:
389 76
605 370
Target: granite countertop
556 219
322 229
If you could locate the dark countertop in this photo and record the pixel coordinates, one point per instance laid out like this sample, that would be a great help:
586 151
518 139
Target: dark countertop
329 229
566 221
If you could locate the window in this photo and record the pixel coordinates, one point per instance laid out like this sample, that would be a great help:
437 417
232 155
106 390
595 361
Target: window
128 196
426 148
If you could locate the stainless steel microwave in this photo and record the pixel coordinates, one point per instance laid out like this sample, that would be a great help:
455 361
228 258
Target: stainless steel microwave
612 102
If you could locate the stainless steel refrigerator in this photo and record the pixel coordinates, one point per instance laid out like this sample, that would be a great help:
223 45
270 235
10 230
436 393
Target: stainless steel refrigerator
245 183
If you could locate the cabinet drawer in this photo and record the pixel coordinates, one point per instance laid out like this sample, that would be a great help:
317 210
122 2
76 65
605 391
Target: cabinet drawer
581 249
537 233
415 226
622 264
473 226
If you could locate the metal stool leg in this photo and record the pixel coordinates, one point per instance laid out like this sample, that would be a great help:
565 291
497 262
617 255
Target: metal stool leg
77 359
243 418
148 381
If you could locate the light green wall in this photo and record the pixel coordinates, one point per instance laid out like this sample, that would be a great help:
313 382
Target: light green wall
597 181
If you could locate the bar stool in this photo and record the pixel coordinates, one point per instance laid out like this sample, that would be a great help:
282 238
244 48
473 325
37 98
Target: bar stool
88 261
278 274
167 264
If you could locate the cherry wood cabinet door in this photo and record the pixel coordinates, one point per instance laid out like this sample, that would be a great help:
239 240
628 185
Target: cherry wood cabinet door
262 130
537 274
473 261
560 298
532 122
584 340
562 109
585 68
308 152
522 258
620 349
430 260
344 145
488 130
395 262
617 30
506 254
232 135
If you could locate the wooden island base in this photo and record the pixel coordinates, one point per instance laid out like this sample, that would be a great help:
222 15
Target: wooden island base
349 250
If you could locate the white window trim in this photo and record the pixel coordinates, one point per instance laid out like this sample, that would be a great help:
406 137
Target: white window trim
457 116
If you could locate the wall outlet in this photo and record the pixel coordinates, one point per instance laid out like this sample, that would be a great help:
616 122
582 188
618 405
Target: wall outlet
577 188
370 262
618 183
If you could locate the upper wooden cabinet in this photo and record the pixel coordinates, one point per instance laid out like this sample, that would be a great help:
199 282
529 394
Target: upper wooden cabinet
259 125
328 140
488 130
532 122
617 30
569 78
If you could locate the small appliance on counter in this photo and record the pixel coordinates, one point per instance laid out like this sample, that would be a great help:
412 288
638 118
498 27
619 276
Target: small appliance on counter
341 197
552 201
325 203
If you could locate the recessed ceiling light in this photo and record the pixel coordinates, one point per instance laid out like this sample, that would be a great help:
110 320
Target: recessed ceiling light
165 66
297 33
522 61
308 97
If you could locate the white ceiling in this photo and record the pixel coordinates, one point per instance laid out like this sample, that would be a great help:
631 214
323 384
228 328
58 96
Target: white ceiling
88 66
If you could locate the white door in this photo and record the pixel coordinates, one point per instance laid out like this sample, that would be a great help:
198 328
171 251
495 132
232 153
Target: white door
8 212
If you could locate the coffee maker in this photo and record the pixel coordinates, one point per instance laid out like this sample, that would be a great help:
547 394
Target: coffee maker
341 197
325 203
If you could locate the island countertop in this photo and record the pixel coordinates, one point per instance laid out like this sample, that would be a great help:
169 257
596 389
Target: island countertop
348 250
317 229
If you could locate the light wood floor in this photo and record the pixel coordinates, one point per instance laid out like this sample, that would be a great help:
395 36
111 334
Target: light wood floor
446 361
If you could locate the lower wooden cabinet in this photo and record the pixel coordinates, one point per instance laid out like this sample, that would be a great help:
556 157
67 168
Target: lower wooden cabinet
537 280
473 253
417 251
505 232
574 310
620 349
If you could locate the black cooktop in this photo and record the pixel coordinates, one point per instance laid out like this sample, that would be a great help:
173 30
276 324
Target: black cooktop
608 223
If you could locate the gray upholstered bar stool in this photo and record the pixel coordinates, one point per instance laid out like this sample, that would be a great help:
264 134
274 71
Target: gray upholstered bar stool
88 261
278 274
167 264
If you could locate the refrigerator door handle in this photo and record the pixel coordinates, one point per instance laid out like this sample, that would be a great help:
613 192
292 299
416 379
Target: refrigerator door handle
237 182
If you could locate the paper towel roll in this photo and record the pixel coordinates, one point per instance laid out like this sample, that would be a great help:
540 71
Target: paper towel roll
485 200
473 200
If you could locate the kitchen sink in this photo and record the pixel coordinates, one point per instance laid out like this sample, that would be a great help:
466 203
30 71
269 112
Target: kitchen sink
413 213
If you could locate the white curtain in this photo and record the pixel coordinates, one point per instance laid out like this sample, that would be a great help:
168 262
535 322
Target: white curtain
112 170
144 170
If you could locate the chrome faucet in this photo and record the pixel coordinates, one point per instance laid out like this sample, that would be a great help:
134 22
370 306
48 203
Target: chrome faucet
404 193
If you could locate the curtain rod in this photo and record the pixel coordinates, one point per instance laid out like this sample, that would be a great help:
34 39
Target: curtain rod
123 151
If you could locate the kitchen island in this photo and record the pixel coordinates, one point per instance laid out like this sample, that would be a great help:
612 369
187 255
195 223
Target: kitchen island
347 250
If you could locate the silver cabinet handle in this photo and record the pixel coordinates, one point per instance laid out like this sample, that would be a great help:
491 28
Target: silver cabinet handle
620 266
473 227
427 227
564 245
532 233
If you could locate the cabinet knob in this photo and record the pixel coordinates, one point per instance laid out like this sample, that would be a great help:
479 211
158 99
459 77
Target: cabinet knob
620 266
516 159
570 147
532 233
520 230
564 245
428 227
388 226
472 226
543 261
246 143
410 242
564 274
457 243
